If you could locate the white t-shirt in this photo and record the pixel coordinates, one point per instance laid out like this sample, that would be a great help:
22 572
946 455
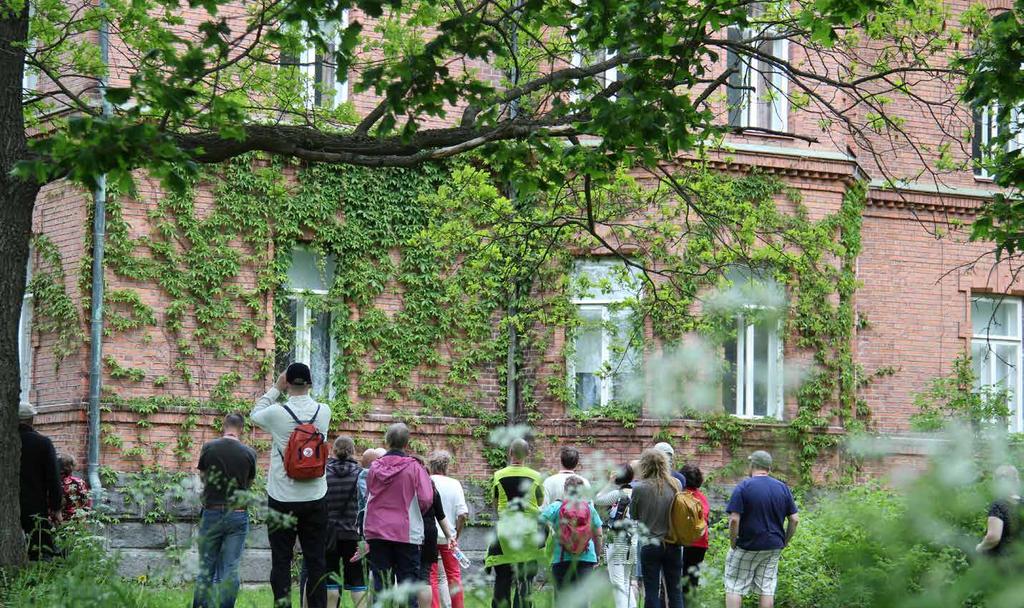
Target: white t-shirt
453 499
272 418
554 486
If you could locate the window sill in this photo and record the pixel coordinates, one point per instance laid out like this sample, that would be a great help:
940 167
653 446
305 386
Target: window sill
984 179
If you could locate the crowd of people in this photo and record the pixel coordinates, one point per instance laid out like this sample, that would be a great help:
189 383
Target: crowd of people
391 521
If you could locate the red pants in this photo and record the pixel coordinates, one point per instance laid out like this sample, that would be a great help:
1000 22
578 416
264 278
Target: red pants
453 573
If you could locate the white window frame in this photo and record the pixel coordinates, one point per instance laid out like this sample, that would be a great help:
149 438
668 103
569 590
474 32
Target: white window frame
307 67
25 337
990 131
597 300
303 334
744 405
607 77
1016 422
753 88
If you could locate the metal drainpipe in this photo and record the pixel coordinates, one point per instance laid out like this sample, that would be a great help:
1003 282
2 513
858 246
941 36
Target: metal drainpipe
513 336
99 199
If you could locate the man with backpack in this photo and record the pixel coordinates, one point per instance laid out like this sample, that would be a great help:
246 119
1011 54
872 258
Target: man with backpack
297 483
554 486
577 533
757 510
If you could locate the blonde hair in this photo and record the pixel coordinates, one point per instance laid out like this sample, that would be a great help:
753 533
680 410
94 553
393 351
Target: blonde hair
654 468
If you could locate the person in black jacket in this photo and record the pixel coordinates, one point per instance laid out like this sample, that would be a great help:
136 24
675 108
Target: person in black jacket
343 524
40 486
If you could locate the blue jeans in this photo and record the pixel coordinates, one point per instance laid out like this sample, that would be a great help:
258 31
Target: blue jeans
661 561
221 542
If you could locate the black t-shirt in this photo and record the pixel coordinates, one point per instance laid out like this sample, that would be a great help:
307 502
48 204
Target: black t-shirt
434 513
1008 510
228 465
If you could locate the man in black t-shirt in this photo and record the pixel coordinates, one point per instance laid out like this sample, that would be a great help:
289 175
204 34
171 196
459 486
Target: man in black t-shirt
227 467
1004 513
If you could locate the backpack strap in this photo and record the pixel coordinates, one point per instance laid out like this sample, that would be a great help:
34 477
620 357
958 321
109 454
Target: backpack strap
292 414
311 420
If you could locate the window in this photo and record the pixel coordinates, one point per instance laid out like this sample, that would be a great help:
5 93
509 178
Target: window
605 78
605 362
752 379
757 91
996 349
25 336
325 86
986 135
309 276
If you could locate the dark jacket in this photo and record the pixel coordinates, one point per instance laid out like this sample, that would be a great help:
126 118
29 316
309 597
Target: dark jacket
342 497
40 477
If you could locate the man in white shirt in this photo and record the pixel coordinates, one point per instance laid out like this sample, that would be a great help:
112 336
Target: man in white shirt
453 498
554 486
303 499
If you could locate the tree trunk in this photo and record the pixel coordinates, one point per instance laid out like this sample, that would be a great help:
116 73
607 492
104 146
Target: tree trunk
17 199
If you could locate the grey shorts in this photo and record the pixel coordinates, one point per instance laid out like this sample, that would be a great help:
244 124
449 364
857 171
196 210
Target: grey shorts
757 570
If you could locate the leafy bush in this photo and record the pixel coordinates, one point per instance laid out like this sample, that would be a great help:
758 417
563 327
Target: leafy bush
878 547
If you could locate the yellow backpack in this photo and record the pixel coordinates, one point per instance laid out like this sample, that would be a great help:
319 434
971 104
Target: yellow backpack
686 520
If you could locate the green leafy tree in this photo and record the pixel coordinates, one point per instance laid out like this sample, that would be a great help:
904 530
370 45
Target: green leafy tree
996 83
953 399
227 81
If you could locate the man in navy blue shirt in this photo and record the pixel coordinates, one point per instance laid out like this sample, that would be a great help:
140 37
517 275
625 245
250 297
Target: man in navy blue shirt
757 509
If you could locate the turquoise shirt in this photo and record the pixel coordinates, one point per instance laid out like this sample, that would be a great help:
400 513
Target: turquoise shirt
550 516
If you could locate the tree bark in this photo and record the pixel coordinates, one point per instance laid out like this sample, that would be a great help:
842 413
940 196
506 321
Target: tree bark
17 199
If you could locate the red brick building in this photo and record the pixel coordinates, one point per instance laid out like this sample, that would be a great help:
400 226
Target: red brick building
914 304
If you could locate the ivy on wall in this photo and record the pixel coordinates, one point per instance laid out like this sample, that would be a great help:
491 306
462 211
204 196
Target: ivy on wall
443 245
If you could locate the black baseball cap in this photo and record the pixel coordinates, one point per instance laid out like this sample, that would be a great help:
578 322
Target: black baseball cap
299 374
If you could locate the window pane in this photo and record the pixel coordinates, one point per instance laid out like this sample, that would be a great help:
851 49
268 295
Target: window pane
624 348
285 350
305 274
604 280
996 316
979 361
588 357
320 351
761 367
729 371
1006 365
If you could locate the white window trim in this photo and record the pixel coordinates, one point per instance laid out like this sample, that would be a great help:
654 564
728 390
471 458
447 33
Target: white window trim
990 131
303 337
744 406
606 349
1016 423
597 299
610 75
779 115
25 337
307 67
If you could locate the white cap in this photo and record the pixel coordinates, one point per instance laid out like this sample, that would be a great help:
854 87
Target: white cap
26 410
661 446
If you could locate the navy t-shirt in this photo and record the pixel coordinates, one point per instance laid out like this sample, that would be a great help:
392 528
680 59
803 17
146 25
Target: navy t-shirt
763 504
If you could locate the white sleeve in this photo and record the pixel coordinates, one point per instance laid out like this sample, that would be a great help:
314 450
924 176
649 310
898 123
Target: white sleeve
261 413
461 508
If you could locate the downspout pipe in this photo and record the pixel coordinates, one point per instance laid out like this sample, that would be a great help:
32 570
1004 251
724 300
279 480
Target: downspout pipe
511 371
99 228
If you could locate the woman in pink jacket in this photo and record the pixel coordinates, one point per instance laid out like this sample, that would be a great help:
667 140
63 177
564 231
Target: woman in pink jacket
398 493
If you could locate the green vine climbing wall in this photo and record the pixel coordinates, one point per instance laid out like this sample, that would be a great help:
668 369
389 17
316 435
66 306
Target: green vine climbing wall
442 245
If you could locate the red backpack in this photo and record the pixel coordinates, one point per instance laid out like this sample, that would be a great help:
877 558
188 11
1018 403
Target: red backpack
575 530
305 457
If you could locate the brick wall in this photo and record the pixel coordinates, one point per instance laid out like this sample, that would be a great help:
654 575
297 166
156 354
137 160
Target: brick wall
914 297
